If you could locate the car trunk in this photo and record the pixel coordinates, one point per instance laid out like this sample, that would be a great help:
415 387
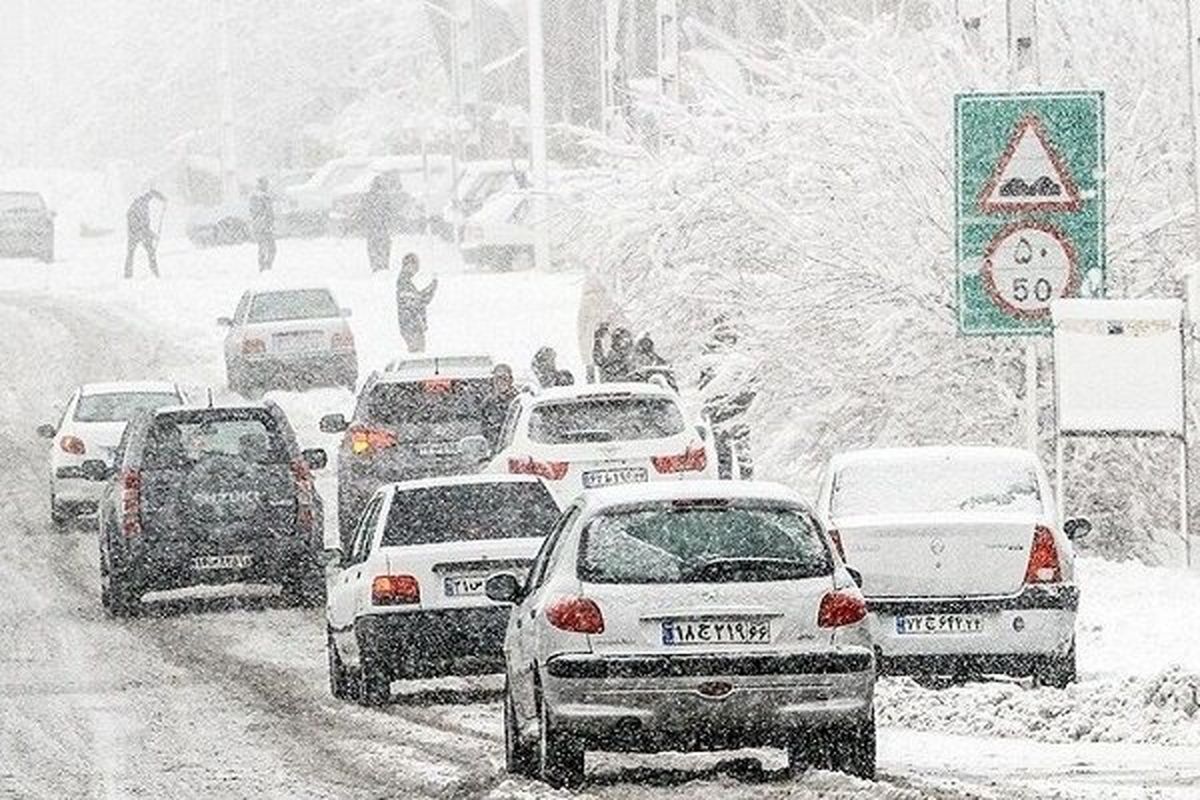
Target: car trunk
938 554
592 465
452 574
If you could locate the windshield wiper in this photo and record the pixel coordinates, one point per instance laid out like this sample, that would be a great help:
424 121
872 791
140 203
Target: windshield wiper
587 435
726 567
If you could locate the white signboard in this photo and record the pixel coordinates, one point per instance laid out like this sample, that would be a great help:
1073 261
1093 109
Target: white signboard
1118 366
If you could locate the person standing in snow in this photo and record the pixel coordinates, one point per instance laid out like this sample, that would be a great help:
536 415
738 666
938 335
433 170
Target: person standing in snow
616 363
376 214
546 371
262 224
496 404
139 231
411 304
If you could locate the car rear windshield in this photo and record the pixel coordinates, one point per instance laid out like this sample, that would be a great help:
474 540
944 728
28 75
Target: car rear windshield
21 201
120 406
177 440
433 401
703 544
606 419
951 483
302 304
470 513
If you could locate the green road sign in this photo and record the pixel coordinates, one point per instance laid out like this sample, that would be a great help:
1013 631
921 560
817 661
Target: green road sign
1029 171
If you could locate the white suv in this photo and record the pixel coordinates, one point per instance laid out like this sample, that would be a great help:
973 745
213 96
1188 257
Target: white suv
408 600
965 565
686 616
597 435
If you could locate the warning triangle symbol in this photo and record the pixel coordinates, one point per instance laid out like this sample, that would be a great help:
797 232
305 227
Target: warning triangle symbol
1030 175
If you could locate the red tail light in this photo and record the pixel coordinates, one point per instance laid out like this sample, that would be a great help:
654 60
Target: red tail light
835 537
343 341
437 385
550 470
252 346
1043 558
576 615
302 477
131 502
694 459
395 590
841 608
367 440
73 445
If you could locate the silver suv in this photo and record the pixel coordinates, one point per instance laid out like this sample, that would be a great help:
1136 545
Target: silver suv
702 615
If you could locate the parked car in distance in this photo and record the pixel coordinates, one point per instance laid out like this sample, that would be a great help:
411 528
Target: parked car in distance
209 495
228 222
26 225
966 567
419 418
705 615
594 435
409 601
90 428
289 337
417 187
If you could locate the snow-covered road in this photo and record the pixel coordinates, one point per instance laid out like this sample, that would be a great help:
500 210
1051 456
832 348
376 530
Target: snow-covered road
230 700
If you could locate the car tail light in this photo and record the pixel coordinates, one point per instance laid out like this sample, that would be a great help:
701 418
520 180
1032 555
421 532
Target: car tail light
694 459
368 440
395 590
1043 558
437 385
841 608
835 538
343 341
73 445
131 502
550 470
302 476
576 615
252 346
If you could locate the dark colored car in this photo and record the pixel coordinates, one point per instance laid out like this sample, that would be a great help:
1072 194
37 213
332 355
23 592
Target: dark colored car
26 226
202 496
420 418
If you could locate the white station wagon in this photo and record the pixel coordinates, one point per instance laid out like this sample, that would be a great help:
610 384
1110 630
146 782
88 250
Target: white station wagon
965 565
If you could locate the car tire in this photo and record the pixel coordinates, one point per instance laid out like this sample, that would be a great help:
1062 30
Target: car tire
118 595
59 516
340 684
1057 672
304 591
374 682
856 753
520 758
560 755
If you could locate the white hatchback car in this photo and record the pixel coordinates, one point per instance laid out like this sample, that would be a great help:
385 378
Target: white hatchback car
686 616
605 434
408 599
965 566
90 429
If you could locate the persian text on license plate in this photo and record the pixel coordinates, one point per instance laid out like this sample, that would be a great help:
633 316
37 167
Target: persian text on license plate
716 631
613 477
297 342
939 624
464 585
229 561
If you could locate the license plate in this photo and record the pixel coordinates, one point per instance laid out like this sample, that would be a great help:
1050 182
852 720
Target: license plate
937 624
297 342
230 561
438 449
716 631
613 477
464 585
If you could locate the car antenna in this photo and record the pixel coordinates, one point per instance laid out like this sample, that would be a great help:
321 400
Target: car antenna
210 397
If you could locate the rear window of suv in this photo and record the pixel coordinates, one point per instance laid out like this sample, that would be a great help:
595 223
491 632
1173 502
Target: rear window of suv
430 401
120 407
178 440
605 419
703 544
471 512
299 304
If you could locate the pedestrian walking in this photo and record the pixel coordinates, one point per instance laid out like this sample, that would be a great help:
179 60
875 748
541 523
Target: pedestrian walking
377 216
262 224
411 304
496 404
140 232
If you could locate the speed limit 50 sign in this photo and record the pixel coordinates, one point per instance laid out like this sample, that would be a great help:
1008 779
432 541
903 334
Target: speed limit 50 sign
1030 207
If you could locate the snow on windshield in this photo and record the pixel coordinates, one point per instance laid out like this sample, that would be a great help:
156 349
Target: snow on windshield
120 407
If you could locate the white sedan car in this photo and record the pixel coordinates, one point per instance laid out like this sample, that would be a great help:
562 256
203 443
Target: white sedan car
408 599
706 615
965 565
90 429
606 434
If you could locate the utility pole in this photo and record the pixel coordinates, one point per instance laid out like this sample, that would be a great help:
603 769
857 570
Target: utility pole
229 187
1193 33
27 123
537 133
667 29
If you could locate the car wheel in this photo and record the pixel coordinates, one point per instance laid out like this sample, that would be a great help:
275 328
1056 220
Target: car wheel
560 755
374 682
121 598
339 677
520 758
855 752
1058 672
59 516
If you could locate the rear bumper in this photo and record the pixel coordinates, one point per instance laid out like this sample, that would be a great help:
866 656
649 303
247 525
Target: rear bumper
430 643
159 566
69 487
706 702
332 367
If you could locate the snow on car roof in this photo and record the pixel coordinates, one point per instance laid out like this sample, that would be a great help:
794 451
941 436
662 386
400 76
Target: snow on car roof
931 452
448 366
597 500
460 480
600 390
128 387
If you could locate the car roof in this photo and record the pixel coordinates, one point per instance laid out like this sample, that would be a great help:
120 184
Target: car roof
599 500
129 387
480 479
931 452
450 366
600 390
236 405
287 290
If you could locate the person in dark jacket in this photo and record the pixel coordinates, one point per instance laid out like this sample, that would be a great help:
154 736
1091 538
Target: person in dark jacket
545 369
411 304
496 404
726 411
141 232
377 218
616 363
262 224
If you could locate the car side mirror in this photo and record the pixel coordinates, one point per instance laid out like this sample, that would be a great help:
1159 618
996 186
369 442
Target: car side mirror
475 447
46 431
315 458
333 423
702 432
346 312
95 470
225 322
855 576
503 588
1077 528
